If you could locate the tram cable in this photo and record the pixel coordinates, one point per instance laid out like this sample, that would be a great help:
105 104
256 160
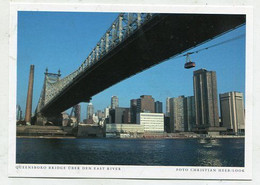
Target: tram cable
190 64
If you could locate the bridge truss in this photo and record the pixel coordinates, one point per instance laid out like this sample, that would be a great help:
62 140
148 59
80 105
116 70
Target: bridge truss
123 27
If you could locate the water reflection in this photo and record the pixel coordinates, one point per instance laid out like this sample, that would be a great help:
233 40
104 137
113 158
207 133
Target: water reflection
208 158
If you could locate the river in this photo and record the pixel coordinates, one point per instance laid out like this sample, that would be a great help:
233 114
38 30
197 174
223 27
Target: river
157 152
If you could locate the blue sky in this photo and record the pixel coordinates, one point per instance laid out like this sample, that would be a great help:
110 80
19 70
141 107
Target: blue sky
62 40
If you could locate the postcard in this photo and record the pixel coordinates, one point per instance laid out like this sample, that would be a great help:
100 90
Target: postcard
101 91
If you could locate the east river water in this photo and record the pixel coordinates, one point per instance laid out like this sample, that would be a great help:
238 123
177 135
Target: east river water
157 152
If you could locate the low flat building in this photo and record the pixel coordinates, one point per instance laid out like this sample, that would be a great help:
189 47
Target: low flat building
124 128
152 122
147 123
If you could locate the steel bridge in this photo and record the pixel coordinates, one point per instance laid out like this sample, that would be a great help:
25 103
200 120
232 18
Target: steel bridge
133 43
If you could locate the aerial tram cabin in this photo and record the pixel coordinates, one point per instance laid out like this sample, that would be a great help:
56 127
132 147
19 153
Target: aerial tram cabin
189 64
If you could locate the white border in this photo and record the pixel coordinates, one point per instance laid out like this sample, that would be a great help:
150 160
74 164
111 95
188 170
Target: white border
143 172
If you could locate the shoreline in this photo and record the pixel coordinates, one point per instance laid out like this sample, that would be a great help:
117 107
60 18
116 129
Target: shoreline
147 138
47 137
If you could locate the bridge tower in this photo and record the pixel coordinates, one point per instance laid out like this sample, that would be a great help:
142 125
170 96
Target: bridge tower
50 81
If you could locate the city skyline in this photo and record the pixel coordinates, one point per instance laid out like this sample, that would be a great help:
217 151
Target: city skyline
168 79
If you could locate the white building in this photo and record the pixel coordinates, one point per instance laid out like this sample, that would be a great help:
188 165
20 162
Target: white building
146 123
90 110
232 111
106 112
152 122
124 128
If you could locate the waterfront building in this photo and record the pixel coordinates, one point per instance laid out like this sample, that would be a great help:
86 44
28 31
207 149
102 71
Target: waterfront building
232 112
167 124
158 107
168 106
182 114
114 102
152 122
124 128
133 110
206 99
145 104
177 114
147 124
90 110
117 115
189 113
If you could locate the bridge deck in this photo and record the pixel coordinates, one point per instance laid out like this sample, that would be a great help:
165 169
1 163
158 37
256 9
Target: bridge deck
162 37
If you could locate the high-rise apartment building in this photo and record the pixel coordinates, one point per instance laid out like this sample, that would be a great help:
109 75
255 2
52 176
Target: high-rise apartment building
206 98
114 102
145 104
158 107
90 111
182 114
232 111
177 114
189 113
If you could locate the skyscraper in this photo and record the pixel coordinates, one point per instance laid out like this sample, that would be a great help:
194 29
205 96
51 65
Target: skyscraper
168 106
158 107
177 114
90 110
206 99
189 113
232 111
145 104
114 102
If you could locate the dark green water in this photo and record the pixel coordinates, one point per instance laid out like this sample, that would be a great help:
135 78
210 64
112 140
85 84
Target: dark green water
160 152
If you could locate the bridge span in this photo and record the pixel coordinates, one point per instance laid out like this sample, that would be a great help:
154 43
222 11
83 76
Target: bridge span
133 43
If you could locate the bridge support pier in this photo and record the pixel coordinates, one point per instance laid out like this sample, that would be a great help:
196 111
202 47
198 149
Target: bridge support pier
48 120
